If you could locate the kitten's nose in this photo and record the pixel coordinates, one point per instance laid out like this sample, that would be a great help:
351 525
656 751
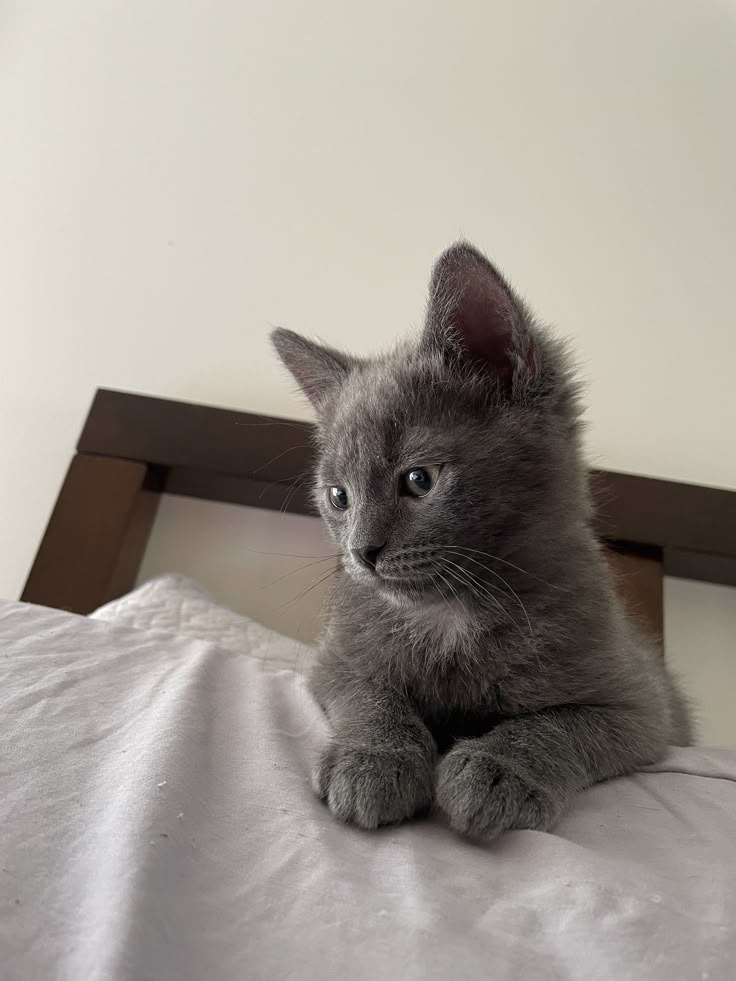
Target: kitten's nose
367 555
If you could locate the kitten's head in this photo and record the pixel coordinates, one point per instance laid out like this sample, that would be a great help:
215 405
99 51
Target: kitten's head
459 445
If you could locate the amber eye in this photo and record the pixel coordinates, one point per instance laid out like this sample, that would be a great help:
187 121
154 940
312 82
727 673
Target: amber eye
419 481
338 498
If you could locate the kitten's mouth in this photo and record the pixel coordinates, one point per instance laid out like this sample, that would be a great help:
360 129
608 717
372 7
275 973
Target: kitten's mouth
426 585
395 586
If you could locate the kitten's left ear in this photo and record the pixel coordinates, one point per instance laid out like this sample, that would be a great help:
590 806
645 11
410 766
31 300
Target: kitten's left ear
319 370
474 312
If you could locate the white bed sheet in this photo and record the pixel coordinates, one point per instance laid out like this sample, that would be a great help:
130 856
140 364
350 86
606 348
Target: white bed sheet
157 823
177 606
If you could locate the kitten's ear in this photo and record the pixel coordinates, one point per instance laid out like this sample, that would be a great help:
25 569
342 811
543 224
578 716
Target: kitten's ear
474 312
319 370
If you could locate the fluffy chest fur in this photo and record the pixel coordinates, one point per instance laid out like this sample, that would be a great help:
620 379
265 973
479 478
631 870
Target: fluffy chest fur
438 630
443 655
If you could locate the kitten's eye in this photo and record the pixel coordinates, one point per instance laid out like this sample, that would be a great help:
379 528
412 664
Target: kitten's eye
419 481
338 498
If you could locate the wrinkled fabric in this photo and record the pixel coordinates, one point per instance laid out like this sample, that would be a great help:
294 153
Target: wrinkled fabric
157 823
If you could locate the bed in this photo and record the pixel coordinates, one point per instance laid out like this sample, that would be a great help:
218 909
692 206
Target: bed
157 819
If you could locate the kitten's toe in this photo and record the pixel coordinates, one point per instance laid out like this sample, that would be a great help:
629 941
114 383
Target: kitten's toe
370 787
482 796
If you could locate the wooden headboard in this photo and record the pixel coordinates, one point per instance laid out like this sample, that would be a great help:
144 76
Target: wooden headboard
133 448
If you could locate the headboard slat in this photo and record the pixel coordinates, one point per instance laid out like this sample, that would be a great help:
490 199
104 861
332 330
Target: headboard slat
133 446
97 534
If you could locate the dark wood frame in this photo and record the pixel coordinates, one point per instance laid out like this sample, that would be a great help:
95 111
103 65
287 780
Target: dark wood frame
134 447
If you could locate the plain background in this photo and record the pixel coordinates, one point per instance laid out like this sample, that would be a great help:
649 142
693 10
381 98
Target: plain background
177 177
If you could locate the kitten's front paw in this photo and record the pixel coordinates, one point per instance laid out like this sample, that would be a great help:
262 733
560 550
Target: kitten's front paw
369 786
484 796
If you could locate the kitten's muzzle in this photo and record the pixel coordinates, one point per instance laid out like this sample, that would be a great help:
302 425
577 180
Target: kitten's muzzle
367 556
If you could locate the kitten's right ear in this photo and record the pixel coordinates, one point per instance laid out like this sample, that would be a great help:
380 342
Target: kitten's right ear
474 312
319 370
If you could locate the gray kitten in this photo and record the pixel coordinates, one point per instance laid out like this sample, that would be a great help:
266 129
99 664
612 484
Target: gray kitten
475 653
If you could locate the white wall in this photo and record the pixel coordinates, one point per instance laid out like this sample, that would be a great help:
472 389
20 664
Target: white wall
175 177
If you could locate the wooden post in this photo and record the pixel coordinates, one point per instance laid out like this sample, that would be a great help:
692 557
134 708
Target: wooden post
639 580
96 536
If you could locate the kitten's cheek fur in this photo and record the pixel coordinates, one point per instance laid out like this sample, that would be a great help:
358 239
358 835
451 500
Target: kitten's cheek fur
482 796
370 787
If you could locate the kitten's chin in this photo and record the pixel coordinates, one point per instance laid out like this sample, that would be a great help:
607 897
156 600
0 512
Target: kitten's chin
402 600
406 599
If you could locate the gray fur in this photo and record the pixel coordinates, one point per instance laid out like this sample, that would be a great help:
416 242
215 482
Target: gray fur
487 666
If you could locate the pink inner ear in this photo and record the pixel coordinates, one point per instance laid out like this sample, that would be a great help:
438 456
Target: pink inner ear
485 320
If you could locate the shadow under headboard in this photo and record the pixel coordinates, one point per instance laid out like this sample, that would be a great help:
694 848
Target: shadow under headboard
134 447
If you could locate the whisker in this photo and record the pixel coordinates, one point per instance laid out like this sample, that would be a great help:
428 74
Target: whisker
510 589
293 555
470 580
475 586
313 585
292 491
267 487
275 422
475 576
300 568
507 585
495 558
535 649
289 449
454 593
